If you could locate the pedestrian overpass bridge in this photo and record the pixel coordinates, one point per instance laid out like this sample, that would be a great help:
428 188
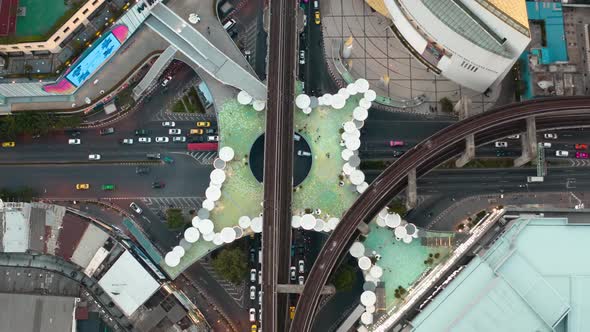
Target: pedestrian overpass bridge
199 50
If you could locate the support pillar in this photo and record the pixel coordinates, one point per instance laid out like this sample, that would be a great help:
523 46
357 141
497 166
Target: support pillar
469 152
411 191
529 143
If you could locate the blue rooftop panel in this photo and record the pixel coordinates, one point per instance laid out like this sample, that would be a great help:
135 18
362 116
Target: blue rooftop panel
551 14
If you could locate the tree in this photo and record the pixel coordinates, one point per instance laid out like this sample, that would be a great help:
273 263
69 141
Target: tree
344 278
231 264
175 218
398 206
447 105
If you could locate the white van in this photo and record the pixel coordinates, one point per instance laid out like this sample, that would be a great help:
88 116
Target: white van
316 4
229 24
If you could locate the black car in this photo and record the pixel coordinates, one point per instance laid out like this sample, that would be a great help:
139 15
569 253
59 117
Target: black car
73 133
142 170
158 185
397 153
210 131
196 139
142 132
107 131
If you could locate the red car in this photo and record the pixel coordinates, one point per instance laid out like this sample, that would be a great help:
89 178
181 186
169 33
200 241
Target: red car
582 155
581 146
396 143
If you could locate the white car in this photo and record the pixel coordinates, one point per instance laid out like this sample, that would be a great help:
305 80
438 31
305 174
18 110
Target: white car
252 292
128 141
517 136
550 136
162 139
301 280
178 139
135 208
260 277
75 141
293 272
301 266
144 140
253 275
169 124
174 131
260 297
546 144
166 81
302 57
213 138
561 153
501 144
94 157
252 315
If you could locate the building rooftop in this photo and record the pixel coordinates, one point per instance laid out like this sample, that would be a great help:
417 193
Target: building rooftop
513 9
128 283
531 279
34 313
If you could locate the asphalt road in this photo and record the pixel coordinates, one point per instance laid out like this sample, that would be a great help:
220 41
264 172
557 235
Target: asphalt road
422 157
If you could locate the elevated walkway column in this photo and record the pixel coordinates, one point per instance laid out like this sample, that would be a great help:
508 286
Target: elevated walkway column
463 108
412 190
529 143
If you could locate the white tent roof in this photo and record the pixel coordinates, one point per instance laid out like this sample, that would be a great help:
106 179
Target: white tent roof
208 204
393 220
256 224
195 221
400 232
376 271
205 226
357 177
370 95
362 85
302 101
217 239
347 169
364 103
296 221
308 221
259 105
357 249
191 235
368 298
244 222
349 126
130 281
364 263
360 113
244 98
228 234
353 144
217 176
319 225
213 194
352 89
179 251
346 154
226 153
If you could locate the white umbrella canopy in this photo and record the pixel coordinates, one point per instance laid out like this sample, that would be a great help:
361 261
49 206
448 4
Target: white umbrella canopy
411 229
407 239
356 133
259 105
364 103
191 235
244 222
354 161
393 220
319 225
352 89
353 144
213 193
360 113
376 271
296 221
208 237
346 154
333 222
172 259
308 222
217 176
218 163
349 126
302 101
179 251
347 169
370 309
217 240
362 187
344 93
338 101
244 98
307 110
239 231
383 213
208 204
226 153
400 232
368 298
362 85
364 263
256 224
203 213
228 234
381 222
205 226
370 95
327 99
195 221
357 177
367 318
357 249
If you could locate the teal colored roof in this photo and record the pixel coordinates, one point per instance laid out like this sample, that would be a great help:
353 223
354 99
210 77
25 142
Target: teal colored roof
461 20
529 280
552 16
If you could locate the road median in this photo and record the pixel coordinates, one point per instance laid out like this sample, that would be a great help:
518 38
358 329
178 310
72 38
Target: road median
81 162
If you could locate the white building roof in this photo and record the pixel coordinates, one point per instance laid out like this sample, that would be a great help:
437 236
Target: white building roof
128 283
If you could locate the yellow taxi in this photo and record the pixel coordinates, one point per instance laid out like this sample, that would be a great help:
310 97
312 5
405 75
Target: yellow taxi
316 15
82 186
254 328
204 124
8 144
195 131
292 312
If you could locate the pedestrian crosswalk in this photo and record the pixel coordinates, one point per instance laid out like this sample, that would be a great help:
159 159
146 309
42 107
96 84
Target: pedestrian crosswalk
159 205
203 157
236 292
164 115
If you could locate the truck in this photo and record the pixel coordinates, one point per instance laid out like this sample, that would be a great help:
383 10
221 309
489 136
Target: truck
530 179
